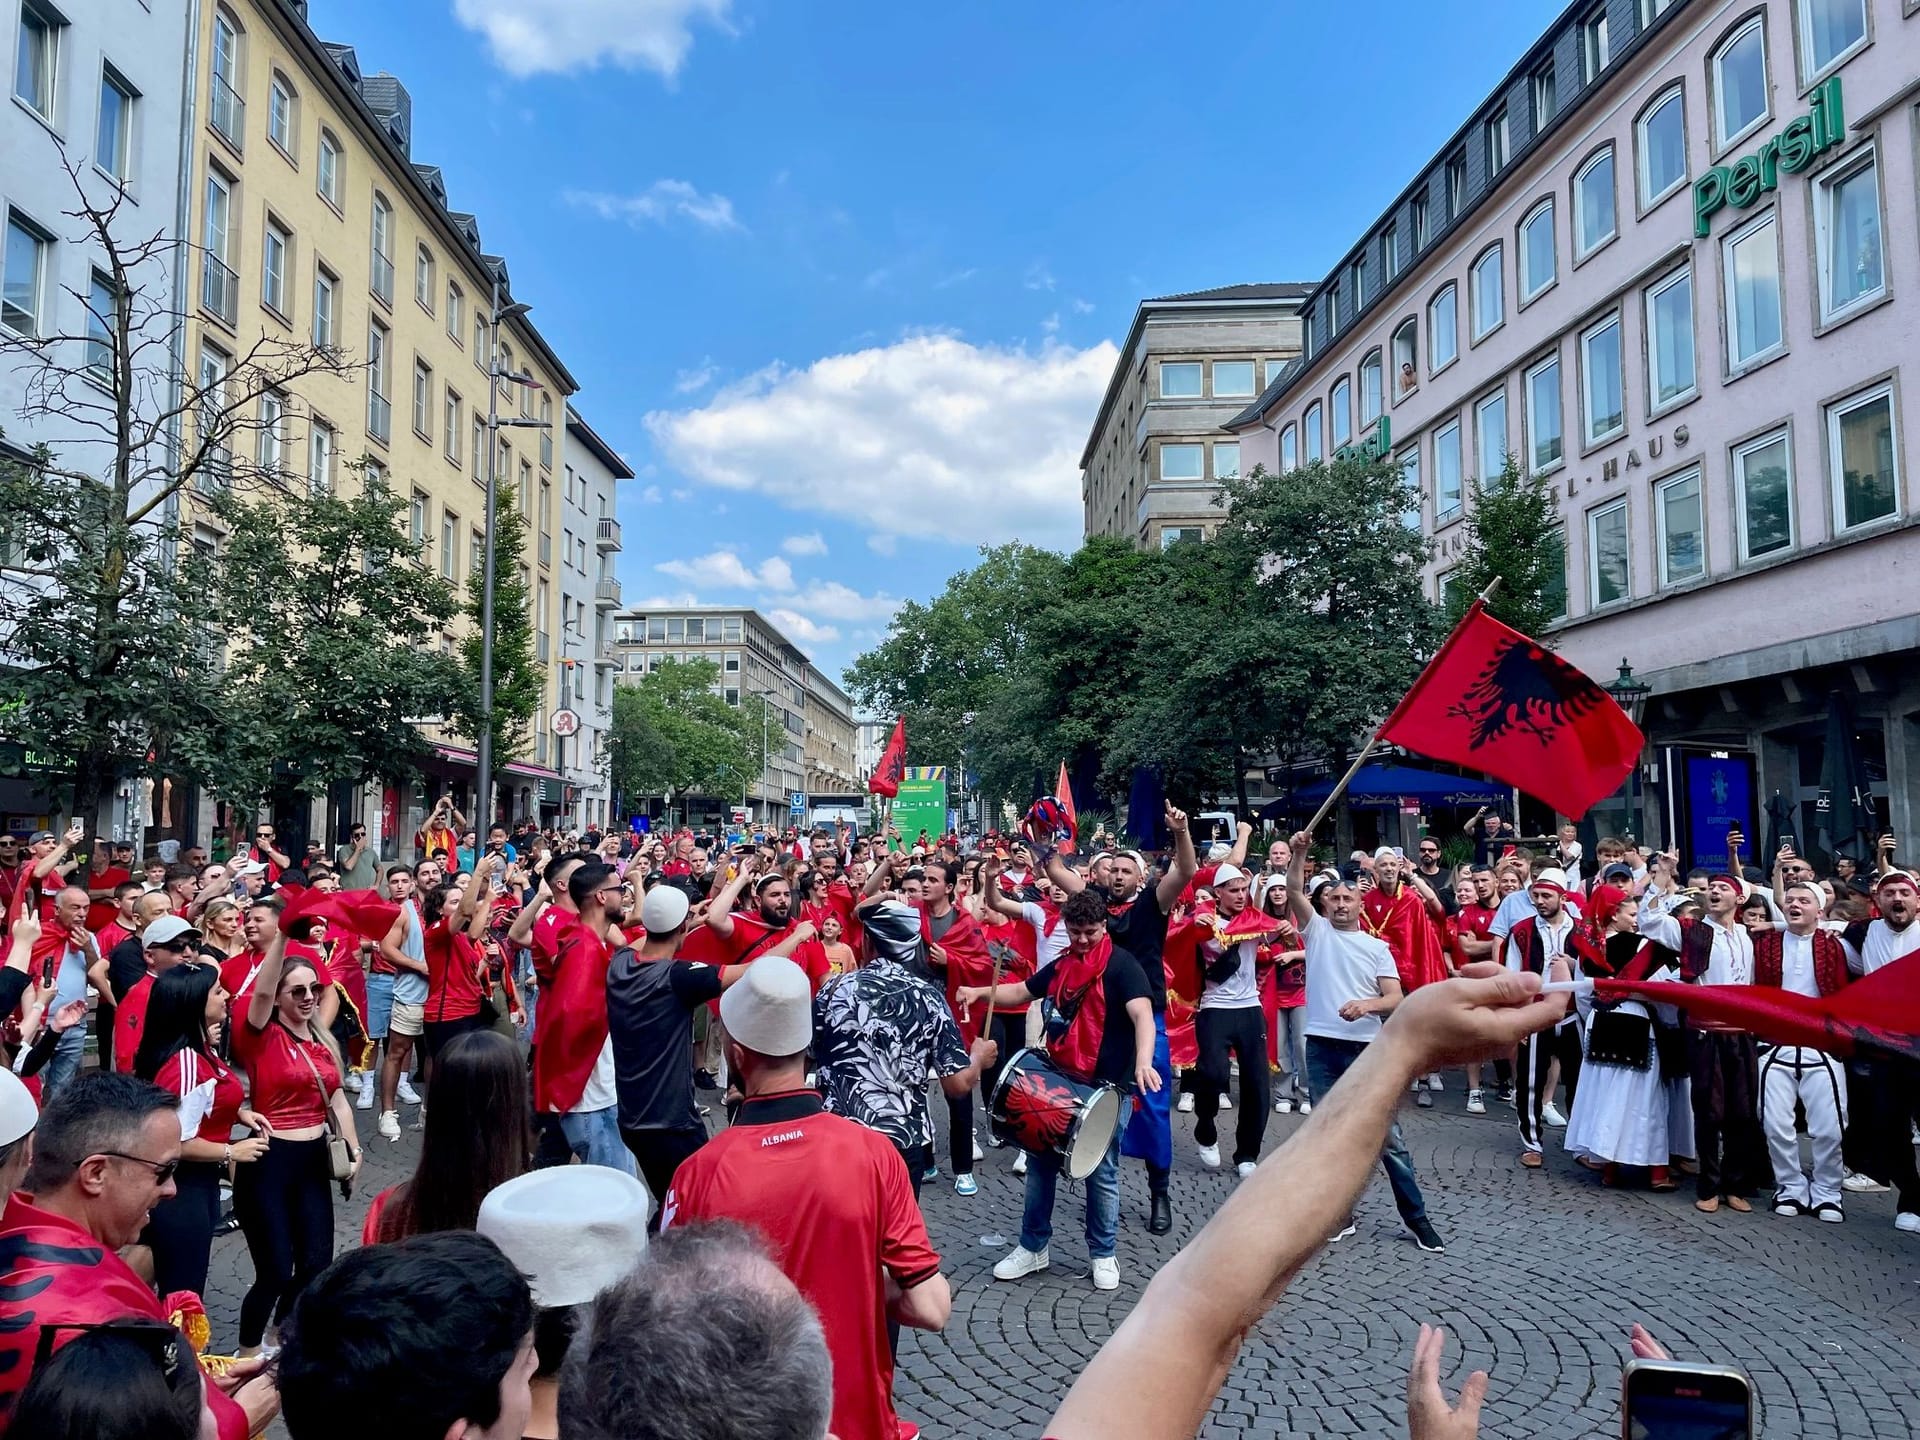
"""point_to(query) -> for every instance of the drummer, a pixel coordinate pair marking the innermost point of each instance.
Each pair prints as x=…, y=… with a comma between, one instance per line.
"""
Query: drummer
x=1099, y=1031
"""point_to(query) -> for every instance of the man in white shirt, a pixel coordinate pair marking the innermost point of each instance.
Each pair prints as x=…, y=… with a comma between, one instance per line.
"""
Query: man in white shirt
x=1884, y=1090
x=1352, y=982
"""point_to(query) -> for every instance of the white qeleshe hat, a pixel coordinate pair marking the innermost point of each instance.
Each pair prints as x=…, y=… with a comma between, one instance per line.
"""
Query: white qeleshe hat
x=664, y=910
x=18, y=1113
x=1226, y=875
x=572, y=1230
x=770, y=1008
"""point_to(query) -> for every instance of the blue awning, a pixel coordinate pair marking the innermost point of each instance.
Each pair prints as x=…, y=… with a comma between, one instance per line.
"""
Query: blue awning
x=1378, y=785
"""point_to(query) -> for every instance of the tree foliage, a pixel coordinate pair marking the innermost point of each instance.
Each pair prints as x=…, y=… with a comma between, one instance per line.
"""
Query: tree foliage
x=517, y=680
x=1513, y=535
x=672, y=735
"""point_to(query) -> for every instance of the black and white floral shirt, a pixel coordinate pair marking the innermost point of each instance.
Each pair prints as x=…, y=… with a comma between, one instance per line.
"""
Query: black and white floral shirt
x=878, y=1033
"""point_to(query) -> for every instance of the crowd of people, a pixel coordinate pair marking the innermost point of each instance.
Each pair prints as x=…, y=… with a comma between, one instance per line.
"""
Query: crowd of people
x=657, y=1072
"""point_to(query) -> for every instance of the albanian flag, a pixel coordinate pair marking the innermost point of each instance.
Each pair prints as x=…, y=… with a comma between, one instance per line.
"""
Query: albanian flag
x=1879, y=1012
x=887, y=775
x=1499, y=702
x=1063, y=792
x=362, y=912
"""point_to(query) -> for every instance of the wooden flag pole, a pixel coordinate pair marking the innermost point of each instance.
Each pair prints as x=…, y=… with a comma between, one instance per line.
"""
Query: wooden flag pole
x=1373, y=742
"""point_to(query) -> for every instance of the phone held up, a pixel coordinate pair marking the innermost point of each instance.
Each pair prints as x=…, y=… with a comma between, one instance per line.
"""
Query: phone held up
x=1671, y=1400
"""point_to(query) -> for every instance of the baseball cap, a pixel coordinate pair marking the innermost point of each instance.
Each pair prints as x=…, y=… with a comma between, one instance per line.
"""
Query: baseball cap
x=40, y=837
x=770, y=1008
x=664, y=910
x=572, y=1230
x=168, y=930
x=250, y=867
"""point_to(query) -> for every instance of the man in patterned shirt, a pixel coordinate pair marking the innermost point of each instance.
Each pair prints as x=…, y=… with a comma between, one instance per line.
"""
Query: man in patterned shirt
x=879, y=1031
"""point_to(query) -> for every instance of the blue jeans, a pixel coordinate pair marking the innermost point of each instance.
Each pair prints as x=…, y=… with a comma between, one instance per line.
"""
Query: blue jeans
x=379, y=1005
x=594, y=1136
x=64, y=1063
x=526, y=987
x=1103, y=1203
x=1327, y=1061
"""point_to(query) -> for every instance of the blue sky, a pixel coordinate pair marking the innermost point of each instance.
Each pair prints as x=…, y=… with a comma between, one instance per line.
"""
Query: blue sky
x=844, y=281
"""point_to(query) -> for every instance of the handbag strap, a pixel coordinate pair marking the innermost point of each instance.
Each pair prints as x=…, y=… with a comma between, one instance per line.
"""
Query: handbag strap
x=326, y=1108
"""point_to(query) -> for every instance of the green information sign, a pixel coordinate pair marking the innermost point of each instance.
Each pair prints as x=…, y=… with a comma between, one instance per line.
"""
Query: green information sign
x=920, y=805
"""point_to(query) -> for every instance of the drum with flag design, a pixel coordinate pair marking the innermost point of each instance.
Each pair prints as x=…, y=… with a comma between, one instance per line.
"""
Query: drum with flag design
x=1047, y=1112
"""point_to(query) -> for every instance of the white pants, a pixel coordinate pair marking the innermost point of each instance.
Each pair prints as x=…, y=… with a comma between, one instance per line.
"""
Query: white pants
x=1793, y=1072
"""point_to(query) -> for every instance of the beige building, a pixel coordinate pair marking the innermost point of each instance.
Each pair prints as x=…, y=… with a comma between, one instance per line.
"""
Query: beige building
x=1189, y=364
x=312, y=223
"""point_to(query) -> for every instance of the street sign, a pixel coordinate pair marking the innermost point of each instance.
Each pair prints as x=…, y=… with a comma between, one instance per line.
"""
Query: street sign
x=797, y=802
x=566, y=722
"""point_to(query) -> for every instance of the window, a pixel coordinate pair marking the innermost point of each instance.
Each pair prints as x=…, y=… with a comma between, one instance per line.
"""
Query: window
x=1273, y=369
x=1846, y=221
x=1456, y=186
x=1545, y=441
x=1536, y=250
x=1406, y=370
x=210, y=424
x=1829, y=31
x=1489, y=294
x=697, y=629
x=320, y=449
x=546, y=431
x=1310, y=424
x=102, y=323
x=1232, y=378
x=1554, y=590
x=1359, y=284
x=1443, y=330
x=423, y=399
x=1490, y=424
x=382, y=248
x=1763, y=495
x=275, y=247
x=449, y=543
x=1390, y=250
x=1497, y=142
x=1410, y=477
x=1180, y=381
x=456, y=310
x=1670, y=340
x=1173, y=535
x=379, y=381
x=676, y=630
x=270, y=444
x=731, y=626
x=1605, y=407
x=37, y=64
x=1182, y=462
x=476, y=554
x=1289, y=448
x=1861, y=459
x=1333, y=309
x=1226, y=460
x=1651, y=10
x=732, y=664
x=225, y=108
x=1607, y=554
x=326, y=176
x=113, y=135
x=23, y=282
x=280, y=115
x=219, y=286
x=417, y=513
x=1740, y=83
x=481, y=355
x=477, y=451
x=1422, y=226
x=1340, y=408
x=1661, y=136
x=1593, y=216
x=326, y=290
x=451, y=420
x=1370, y=389
x=1682, y=538
x=1448, y=485
x=1545, y=97
x=1750, y=265
x=423, y=286
x=1594, y=50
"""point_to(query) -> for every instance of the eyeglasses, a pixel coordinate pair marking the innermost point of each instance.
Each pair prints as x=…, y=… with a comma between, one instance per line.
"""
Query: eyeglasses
x=162, y=1169
x=163, y=1343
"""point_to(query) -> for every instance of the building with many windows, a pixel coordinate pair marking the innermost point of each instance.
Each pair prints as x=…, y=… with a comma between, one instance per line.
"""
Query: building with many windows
x=589, y=596
x=1189, y=364
x=1662, y=264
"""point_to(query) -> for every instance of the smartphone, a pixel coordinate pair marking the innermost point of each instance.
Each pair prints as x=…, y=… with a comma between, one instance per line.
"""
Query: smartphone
x=1669, y=1400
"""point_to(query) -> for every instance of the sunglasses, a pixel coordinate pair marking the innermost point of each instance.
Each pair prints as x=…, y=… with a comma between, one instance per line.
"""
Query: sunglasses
x=162, y=1169
x=304, y=992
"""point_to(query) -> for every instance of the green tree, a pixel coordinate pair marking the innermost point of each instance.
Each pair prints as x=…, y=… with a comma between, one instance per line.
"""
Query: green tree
x=517, y=682
x=1514, y=535
x=672, y=735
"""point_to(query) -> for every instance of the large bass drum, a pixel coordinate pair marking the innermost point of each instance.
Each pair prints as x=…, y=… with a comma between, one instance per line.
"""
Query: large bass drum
x=1047, y=1112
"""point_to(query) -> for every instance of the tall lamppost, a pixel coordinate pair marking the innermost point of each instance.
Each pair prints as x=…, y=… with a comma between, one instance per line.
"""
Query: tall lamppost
x=1630, y=694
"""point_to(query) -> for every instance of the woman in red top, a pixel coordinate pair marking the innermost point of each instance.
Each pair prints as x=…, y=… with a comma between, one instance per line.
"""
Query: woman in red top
x=452, y=921
x=179, y=1052
x=1282, y=968
x=284, y=1201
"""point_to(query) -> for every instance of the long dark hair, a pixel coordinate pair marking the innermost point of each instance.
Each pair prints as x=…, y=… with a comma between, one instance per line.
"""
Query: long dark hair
x=176, y=1017
x=479, y=1135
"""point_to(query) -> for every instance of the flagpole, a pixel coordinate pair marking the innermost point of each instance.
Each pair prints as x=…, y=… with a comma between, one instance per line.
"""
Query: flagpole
x=1373, y=742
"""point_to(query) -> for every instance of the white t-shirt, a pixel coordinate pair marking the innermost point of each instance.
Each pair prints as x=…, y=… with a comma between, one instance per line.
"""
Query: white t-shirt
x=1047, y=947
x=600, y=1092
x=1241, y=989
x=1344, y=965
x=1883, y=945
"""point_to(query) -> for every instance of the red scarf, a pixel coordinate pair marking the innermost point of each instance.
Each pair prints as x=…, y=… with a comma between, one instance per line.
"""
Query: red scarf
x=1080, y=994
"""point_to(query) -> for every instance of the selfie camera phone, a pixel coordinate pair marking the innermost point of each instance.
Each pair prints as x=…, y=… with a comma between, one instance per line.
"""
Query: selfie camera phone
x=1670, y=1400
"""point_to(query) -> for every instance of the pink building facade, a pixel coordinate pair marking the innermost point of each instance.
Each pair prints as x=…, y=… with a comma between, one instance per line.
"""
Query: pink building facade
x=1662, y=265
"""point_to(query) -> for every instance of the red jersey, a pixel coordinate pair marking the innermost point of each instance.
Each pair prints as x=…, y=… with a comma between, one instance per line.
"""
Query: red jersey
x=111, y=934
x=283, y=1088
x=833, y=1202
x=549, y=928
x=101, y=912
x=129, y=1021
x=237, y=976
x=454, y=964
x=186, y=1071
x=1474, y=922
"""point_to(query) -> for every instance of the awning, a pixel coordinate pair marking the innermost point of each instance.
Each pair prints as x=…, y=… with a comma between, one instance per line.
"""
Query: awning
x=462, y=755
x=1388, y=785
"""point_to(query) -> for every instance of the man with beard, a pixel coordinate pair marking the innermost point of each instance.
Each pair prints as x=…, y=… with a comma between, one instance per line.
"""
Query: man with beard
x=731, y=937
x=573, y=1063
x=1137, y=922
x=1884, y=1090
x=1532, y=946
x=1403, y=911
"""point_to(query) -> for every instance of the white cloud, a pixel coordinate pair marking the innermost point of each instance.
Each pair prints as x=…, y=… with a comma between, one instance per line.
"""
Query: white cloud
x=799, y=627
x=723, y=569
x=958, y=277
x=680, y=493
x=531, y=36
x=930, y=437
x=883, y=544
x=810, y=544
x=831, y=600
x=1051, y=325
x=1081, y=307
x=1039, y=277
x=661, y=202
x=650, y=495
x=687, y=382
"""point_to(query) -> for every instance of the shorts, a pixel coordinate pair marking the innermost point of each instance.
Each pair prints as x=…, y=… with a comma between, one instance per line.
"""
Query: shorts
x=379, y=1005
x=407, y=1019
x=436, y=1033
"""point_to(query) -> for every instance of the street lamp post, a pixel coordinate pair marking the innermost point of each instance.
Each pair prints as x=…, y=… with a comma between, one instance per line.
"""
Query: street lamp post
x=1630, y=694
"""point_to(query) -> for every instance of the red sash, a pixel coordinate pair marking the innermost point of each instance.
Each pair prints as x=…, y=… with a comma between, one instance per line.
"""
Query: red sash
x=1080, y=994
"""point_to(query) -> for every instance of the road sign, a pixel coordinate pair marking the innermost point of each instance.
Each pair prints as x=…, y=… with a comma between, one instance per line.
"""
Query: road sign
x=566, y=722
x=797, y=802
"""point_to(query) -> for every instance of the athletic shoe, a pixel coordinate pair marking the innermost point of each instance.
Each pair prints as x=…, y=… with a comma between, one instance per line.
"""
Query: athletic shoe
x=994, y=1142
x=352, y=1081
x=389, y=1125
x=1185, y=1105
x=964, y=1185
x=1424, y=1100
x=1426, y=1237
x=1020, y=1264
x=930, y=1174
x=1506, y=1095
x=1907, y=1222
x=1346, y=1232
x=1210, y=1156
x=1106, y=1273
x=1306, y=1107
x=978, y=1153
x=228, y=1223
x=1226, y=1101
x=1862, y=1184
x=1551, y=1114
x=1786, y=1205
x=1828, y=1211
x=1433, y=1084
x=407, y=1093
x=1476, y=1103
x=369, y=1092
x=1020, y=1163
x=908, y=1431
x=1246, y=1169
x=1283, y=1106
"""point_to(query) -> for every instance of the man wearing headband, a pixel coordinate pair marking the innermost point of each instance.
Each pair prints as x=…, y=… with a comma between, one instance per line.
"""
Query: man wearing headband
x=1882, y=1090
x=1533, y=945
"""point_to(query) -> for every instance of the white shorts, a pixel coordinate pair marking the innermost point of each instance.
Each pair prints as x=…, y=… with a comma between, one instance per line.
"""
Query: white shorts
x=407, y=1019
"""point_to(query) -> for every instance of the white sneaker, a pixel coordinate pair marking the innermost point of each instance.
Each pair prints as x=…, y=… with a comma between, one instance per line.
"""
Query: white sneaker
x=1907, y=1222
x=1185, y=1104
x=1246, y=1168
x=1106, y=1273
x=407, y=1093
x=1861, y=1184
x=389, y=1125
x=1433, y=1084
x=352, y=1081
x=1476, y=1104
x=1020, y=1163
x=978, y=1153
x=1020, y=1264
x=1210, y=1156
x=1306, y=1107
x=1551, y=1114
x=368, y=1093
x=1283, y=1106
x=1226, y=1102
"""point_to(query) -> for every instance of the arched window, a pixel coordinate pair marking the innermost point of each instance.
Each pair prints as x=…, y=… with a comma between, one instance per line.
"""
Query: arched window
x=1370, y=397
x=1661, y=142
x=1341, y=407
x=1739, y=70
x=329, y=173
x=1443, y=329
x=382, y=247
x=1489, y=293
x=1406, y=358
x=1537, y=261
x=1594, y=219
x=283, y=115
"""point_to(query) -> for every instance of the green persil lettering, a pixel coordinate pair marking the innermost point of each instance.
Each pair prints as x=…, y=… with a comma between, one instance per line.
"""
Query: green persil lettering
x=1792, y=150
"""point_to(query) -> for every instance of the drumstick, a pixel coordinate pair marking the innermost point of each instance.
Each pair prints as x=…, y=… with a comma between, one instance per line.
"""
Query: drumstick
x=999, y=952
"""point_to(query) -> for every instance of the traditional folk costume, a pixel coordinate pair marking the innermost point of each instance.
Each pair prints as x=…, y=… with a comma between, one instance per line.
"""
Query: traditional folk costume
x=1883, y=1090
x=1531, y=944
x=1790, y=1075
x=1283, y=995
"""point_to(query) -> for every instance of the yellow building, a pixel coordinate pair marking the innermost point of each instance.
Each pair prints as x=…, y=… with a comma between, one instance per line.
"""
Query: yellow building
x=312, y=223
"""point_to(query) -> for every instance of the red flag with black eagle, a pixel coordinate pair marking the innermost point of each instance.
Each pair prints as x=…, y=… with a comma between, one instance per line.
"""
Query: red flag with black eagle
x=1499, y=702
x=892, y=768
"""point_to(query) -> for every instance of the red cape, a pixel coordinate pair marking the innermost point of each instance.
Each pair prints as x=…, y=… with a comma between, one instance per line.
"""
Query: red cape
x=968, y=961
x=363, y=912
x=570, y=1027
x=1404, y=924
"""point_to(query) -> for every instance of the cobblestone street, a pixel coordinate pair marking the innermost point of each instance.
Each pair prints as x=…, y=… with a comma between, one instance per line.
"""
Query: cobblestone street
x=1543, y=1273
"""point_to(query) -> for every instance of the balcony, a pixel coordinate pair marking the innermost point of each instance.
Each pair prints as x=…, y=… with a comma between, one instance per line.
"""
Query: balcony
x=606, y=535
x=606, y=594
x=228, y=111
x=606, y=657
x=219, y=288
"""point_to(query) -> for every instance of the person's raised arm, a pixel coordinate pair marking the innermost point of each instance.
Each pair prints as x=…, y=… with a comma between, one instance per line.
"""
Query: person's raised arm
x=521, y=931
x=1432, y=901
x=476, y=902
x=50, y=861
x=1185, y=865
x=1243, y=837
x=1298, y=905
x=801, y=933
x=997, y=900
x=266, y=984
x=1158, y=1375
x=720, y=912
x=1061, y=873
x=1655, y=923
